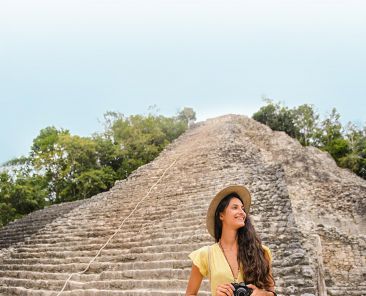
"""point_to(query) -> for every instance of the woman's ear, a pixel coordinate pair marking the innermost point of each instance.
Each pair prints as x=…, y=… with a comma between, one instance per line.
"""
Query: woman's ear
x=221, y=216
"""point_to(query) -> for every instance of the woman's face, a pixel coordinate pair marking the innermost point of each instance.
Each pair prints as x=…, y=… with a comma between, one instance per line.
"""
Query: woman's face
x=234, y=215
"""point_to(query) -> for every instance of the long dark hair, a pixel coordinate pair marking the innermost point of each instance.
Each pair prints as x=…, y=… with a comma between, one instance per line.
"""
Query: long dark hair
x=251, y=255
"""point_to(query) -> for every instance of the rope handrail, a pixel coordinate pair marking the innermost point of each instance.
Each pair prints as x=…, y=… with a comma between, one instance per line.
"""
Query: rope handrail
x=118, y=229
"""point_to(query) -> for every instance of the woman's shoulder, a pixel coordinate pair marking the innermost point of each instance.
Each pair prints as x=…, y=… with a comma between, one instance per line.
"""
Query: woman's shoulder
x=204, y=248
x=200, y=258
x=201, y=250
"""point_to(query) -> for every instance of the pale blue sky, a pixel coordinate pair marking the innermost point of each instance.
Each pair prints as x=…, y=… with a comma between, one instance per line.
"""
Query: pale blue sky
x=65, y=63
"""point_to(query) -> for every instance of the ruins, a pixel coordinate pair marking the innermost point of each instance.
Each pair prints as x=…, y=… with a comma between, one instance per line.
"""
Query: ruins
x=306, y=209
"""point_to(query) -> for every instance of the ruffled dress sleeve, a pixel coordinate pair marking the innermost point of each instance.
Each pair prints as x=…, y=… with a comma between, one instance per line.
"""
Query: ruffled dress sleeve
x=200, y=259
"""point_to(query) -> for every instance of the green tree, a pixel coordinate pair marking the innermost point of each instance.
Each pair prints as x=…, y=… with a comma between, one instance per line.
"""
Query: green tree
x=186, y=115
x=268, y=114
x=346, y=145
x=64, y=167
x=331, y=137
x=356, y=158
x=331, y=128
x=306, y=121
x=88, y=183
x=140, y=138
x=278, y=117
x=7, y=210
x=61, y=159
x=28, y=194
x=49, y=159
x=20, y=196
x=354, y=136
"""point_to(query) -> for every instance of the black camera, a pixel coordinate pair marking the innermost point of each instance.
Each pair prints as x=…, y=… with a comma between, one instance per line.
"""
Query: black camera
x=241, y=289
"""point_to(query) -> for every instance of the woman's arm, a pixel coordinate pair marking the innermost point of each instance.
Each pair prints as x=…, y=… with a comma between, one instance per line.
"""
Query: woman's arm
x=194, y=282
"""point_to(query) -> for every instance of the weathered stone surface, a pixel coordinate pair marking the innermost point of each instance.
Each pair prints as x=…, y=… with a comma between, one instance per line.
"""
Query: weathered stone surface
x=307, y=210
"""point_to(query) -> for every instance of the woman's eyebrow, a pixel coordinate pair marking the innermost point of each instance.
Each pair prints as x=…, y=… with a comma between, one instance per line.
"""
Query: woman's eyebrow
x=238, y=205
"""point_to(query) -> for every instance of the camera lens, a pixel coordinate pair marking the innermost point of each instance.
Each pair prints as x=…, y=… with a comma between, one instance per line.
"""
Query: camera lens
x=242, y=292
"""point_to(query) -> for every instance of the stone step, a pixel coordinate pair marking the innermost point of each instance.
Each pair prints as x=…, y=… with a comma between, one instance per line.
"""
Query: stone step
x=108, y=251
x=92, y=217
x=120, y=284
x=97, y=267
x=118, y=258
x=135, y=292
x=114, y=249
x=118, y=206
x=19, y=230
x=109, y=228
x=134, y=284
x=129, y=235
x=167, y=273
x=185, y=213
x=115, y=243
x=360, y=290
x=96, y=292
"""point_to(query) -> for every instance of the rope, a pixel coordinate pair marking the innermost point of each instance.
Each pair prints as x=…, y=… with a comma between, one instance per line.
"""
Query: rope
x=118, y=229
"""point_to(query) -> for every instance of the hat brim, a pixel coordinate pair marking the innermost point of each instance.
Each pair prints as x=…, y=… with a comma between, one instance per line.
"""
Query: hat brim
x=244, y=194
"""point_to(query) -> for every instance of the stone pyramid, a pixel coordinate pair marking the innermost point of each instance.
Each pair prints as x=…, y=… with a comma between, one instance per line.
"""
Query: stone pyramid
x=309, y=212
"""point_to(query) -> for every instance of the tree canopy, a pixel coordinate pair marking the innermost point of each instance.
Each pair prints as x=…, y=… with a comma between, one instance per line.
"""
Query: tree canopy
x=64, y=167
x=345, y=144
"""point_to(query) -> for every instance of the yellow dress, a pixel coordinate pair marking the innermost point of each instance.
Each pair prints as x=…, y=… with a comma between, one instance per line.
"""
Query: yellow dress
x=219, y=267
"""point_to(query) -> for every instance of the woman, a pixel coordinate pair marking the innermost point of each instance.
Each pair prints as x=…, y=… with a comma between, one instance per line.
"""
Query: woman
x=238, y=254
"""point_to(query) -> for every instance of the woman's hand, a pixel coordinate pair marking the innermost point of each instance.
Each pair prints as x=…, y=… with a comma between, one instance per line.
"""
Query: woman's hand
x=225, y=290
x=259, y=292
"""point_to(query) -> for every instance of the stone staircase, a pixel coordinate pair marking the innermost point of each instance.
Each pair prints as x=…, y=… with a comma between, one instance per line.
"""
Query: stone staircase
x=159, y=212
x=21, y=230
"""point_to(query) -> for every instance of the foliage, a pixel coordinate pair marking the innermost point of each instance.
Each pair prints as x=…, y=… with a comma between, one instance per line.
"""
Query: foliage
x=277, y=117
x=187, y=115
x=63, y=167
x=20, y=196
x=306, y=121
x=347, y=145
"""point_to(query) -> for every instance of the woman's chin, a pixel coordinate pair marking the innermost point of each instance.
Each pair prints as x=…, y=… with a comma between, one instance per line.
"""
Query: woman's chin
x=240, y=225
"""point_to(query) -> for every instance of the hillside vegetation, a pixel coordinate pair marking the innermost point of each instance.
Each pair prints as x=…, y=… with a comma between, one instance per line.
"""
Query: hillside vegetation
x=346, y=144
x=63, y=167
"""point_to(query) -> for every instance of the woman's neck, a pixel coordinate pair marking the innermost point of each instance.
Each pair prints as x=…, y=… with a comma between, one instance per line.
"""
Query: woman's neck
x=228, y=239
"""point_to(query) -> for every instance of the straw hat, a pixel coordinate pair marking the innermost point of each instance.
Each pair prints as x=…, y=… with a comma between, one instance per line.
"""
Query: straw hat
x=242, y=191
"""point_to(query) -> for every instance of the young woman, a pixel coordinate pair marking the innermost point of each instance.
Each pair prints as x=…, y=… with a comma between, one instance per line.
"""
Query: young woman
x=238, y=255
